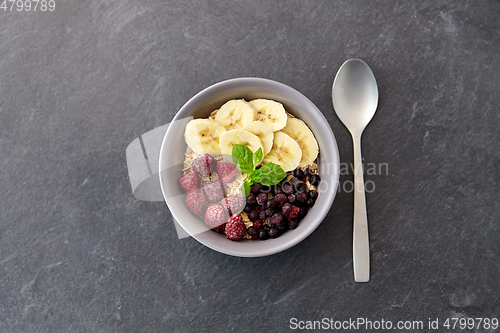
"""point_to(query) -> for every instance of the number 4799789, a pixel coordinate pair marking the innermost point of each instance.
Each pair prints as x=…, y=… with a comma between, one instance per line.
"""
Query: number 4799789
x=28, y=5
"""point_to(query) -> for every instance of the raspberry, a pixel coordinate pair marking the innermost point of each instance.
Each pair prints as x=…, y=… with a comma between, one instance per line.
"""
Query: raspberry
x=190, y=182
x=233, y=204
x=287, y=208
x=293, y=213
x=195, y=201
x=214, y=190
x=235, y=228
x=204, y=165
x=226, y=171
x=215, y=217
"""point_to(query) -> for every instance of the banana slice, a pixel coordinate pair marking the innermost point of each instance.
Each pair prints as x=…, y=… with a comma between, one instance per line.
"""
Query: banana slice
x=286, y=152
x=270, y=112
x=230, y=138
x=299, y=131
x=235, y=114
x=203, y=135
x=264, y=132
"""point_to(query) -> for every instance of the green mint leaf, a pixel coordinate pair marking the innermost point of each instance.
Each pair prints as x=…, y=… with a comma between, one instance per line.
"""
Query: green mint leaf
x=255, y=176
x=257, y=157
x=246, y=188
x=244, y=156
x=272, y=174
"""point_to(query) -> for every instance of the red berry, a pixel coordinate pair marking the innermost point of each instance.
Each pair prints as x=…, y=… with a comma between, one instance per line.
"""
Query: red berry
x=227, y=171
x=195, y=202
x=293, y=213
x=257, y=224
x=233, y=204
x=235, y=228
x=214, y=190
x=215, y=217
x=190, y=182
x=204, y=165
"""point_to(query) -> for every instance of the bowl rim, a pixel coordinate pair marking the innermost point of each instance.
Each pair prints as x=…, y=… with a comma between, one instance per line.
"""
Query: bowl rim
x=242, y=82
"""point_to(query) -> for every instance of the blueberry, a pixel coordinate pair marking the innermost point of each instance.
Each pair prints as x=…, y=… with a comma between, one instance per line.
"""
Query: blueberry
x=255, y=188
x=287, y=208
x=262, y=215
x=294, y=181
x=254, y=215
x=251, y=231
x=302, y=188
x=288, y=173
x=292, y=224
x=313, y=194
x=266, y=227
x=263, y=234
x=273, y=232
x=310, y=202
x=271, y=203
x=298, y=173
x=308, y=172
x=276, y=219
x=261, y=198
x=287, y=188
x=281, y=199
x=301, y=198
x=270, y=211
x=281, y=224
x=291, y=198
x=314, y=180
x=251, y=200
x=248, y=209
x=265, y=189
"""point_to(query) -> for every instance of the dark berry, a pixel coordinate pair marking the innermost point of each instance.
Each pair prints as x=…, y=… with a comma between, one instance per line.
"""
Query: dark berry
x=271, y=203
x=280, y=199
x=273, y=232
x=301, y=198
x=195, y=202
x=270, y=211
x=248, y=209
x=289, y=173
x=292, y=198
x=302, y=188
x=298, y=173
x=265, y=189
x=302, y=212
x=227, y=171
x=233, y=204
x=235, y=228
x=287, y=188
x=278, y=189
x=190, y=182
x=251, y=201
x=204, y=165
x=263, y=234
x=252, y=231
x=308, y=172
x=275, y=219
x=262, y=215
x=265, y=227
x=262, y=198
x=294, y=181
x=310, y=202
x=278, y=221
x=314, y=180
x=215, y=217
x=253, y=215
x=313, y=194
x=255, y=188
x=286, y=209
x=257, y=224
x=292, y=224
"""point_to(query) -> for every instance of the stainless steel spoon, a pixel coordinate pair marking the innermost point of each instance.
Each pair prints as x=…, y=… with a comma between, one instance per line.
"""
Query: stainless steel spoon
x=355, y=99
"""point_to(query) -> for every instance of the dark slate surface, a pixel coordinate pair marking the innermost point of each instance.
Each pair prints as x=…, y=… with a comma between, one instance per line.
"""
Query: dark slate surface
x=79, y=254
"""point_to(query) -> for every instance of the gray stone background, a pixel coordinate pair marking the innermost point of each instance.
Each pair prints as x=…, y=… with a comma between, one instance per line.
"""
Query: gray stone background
x=79, y=254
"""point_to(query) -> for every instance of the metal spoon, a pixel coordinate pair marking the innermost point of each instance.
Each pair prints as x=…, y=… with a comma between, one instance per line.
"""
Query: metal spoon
x=355, y=98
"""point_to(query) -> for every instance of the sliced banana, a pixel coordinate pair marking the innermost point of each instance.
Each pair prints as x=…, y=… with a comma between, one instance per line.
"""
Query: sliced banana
x=230, y=138
x=285, y=152
x=235, y=114
x=203, y=135
x=264, y=132
x=300, y=132
x=270, y=112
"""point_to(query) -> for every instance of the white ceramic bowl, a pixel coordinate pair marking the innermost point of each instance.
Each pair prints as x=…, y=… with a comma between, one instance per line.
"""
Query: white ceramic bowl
x=200, y=106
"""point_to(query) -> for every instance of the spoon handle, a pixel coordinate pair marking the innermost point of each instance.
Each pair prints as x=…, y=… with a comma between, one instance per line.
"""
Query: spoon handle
x=360, y=243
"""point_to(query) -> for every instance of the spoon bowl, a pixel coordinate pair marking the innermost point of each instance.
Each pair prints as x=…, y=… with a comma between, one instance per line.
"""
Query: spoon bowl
x=355, y=99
